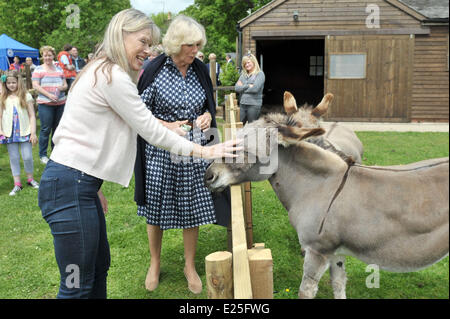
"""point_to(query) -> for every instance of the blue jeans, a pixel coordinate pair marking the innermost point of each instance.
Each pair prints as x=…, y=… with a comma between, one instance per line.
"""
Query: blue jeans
x=70, y=205
x=49, y=116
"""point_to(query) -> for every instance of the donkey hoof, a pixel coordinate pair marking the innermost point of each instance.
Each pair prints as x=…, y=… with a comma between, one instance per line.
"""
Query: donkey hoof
x=303, y=252
x=304, y=295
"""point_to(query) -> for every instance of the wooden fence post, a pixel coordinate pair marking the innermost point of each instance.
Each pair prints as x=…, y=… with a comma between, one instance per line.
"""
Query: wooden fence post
x=213, y=75
x=261, y=272
x=247, y=196
x=219, y=275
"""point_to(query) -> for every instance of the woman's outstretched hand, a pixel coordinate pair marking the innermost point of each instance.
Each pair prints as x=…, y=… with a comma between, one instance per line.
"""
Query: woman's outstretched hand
x=226, y=149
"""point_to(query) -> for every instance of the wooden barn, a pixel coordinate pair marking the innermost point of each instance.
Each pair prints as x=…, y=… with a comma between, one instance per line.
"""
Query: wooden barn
x=384, y=60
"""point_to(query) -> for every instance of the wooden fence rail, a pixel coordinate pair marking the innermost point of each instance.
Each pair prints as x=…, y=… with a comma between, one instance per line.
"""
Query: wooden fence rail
x=252, y=267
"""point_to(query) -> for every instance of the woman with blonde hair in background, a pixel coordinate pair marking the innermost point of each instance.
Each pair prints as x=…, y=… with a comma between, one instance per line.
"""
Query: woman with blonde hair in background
x=250, y=87
x=96, y=141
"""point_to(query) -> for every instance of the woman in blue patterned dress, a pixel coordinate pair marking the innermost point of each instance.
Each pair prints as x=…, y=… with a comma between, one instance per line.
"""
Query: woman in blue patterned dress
x=178, y=91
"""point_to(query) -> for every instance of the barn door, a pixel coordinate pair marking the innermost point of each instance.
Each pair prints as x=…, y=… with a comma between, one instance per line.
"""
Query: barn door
x=370, y=77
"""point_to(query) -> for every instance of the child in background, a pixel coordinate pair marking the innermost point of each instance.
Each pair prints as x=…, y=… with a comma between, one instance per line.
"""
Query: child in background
x=16, y=65
x=17, y=127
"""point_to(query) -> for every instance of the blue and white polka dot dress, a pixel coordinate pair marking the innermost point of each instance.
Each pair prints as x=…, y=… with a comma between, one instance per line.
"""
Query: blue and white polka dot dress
x=176, y=196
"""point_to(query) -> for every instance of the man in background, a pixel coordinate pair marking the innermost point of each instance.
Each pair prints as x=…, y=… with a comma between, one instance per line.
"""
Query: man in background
x=78, y=62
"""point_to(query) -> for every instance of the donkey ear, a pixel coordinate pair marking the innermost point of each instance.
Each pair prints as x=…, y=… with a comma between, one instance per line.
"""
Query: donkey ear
x=288, y=135
x=290, y=105
x=322, y=107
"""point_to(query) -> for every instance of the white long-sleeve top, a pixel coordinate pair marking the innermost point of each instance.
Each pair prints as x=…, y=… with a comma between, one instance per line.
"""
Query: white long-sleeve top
x=97, y=132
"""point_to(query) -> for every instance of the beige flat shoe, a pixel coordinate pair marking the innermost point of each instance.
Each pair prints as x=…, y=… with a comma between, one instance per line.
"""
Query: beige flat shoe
x=195, y=285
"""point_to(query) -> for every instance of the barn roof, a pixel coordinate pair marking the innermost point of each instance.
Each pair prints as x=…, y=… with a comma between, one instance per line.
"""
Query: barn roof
x=261, y=11
x=423, y=10
x=432, y=9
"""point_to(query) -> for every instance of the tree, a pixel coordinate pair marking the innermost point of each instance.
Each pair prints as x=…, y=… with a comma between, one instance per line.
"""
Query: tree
x=219, y=17
x=57, y=22
x=229, y=75
x=162, y=21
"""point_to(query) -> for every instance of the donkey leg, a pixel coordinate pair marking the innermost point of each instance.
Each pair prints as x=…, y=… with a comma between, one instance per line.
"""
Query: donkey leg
x=314, y=267
x=338, y=276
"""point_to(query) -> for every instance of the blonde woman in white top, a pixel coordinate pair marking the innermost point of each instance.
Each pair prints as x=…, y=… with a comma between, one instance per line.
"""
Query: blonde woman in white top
x=96, y=141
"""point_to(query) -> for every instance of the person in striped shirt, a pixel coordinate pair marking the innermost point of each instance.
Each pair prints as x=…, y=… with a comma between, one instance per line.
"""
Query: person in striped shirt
x=50, y=82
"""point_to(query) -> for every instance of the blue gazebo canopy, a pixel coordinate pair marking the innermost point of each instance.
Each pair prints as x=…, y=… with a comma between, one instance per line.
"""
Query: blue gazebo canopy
x=9, y=48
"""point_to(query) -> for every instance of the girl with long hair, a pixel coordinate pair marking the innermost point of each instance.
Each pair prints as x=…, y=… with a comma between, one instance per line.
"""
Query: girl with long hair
x=17, y=127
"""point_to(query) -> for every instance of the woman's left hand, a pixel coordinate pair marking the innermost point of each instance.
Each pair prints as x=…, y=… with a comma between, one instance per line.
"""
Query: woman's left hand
x=204, y=121
x=103, y=201
x=33, y=139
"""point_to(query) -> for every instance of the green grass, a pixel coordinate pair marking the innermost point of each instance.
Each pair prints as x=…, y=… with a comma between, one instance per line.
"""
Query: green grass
x=28, y=268
x=381, y=148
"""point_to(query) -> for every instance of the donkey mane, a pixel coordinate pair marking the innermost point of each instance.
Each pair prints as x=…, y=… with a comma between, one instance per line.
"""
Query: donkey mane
x=303, y=119
x=323, y=143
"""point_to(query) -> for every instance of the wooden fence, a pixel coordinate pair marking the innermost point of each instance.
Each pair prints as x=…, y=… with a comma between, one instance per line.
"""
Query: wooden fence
x=247, y=271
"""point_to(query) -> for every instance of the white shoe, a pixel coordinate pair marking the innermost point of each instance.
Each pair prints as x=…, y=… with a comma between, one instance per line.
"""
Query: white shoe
x=44, y=160
x=15, y=190
x=33, y=184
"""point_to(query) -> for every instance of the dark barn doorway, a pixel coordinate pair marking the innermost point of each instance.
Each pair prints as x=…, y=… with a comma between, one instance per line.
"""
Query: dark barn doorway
x=292, y=65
